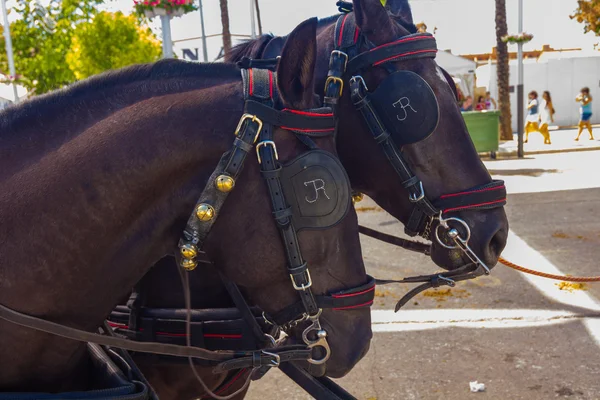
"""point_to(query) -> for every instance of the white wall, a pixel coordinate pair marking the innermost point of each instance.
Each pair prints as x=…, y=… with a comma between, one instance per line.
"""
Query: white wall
x=563, y=78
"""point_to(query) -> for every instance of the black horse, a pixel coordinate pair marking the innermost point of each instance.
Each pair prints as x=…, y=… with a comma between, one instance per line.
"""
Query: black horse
x=97, y=183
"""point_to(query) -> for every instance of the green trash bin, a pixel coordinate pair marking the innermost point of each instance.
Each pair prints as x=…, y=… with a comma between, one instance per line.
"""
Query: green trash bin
x=483, y=127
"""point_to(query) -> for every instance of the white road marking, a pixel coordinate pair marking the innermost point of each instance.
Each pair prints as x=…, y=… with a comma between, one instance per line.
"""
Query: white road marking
x=519, y=252
x=415, y=320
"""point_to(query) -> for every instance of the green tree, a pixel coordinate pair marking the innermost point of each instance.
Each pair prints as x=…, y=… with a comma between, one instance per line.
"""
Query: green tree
x=588, y=14
x=45, y=52
x=110, y=41
x=39, y=50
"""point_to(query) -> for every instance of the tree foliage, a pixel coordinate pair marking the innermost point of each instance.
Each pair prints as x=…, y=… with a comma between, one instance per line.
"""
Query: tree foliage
x=588, y=14
x=110, y=41
x=40, y=51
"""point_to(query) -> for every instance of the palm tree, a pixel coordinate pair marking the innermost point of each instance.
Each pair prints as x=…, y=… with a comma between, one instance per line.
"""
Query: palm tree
x=503, y=71
x=225, y=23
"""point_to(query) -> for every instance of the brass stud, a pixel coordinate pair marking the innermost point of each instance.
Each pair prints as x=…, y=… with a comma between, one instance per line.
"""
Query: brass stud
x=224, y=183
x=205, y=212
x=189, y=251
x=357, y=197
x=188, y=265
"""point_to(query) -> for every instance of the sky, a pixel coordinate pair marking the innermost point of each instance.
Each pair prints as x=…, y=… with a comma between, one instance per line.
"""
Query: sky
x=464, y=26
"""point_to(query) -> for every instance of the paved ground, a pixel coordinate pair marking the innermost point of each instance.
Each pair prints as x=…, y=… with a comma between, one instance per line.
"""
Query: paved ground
x=562, y=140
x=523, y=337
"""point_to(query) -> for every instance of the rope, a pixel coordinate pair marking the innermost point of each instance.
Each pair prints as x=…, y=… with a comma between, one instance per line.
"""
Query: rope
x=550, y=276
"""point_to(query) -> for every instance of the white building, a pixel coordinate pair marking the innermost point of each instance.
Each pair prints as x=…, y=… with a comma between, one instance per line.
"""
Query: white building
x=563, y=74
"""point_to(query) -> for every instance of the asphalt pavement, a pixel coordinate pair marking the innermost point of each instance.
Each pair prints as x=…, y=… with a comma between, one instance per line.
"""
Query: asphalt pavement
x=523, y=337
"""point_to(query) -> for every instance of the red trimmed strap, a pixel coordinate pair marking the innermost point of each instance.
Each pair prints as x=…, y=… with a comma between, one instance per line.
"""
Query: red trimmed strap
x=491, y=195
x=173, y=334
x=410, y=47
x=358, y=297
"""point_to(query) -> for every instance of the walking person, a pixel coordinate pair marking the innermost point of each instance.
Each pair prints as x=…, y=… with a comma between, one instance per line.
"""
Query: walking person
x=546, y=116
x=585, y=99
x=533, y=115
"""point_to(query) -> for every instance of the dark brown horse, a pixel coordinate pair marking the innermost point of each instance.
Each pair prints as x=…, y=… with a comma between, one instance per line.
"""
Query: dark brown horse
x=98, y=181
x=446, y=162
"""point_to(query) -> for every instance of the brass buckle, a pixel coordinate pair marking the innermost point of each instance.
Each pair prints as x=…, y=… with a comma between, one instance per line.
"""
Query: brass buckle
x=266, y=143
x=302, y=287
x=333, y=79
x=252, y=118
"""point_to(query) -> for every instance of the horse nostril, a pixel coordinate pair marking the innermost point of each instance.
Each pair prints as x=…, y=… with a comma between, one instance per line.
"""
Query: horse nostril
x=496, y=245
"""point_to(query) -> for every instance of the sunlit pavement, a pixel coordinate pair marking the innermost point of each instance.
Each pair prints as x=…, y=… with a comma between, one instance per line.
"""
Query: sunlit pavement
x=523, y=337
x=562, y=141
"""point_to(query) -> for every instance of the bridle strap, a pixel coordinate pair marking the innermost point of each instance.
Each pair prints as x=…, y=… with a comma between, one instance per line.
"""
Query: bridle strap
x=244, y=358
x=358, y=297
x=411, y=47
x=321, y=388
x=448, y=278
x=422, y=206
x=317, y=123
x=282, y=212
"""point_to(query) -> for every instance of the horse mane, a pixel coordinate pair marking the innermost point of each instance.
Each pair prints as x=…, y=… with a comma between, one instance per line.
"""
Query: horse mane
x=161, y=77
x=248, y=48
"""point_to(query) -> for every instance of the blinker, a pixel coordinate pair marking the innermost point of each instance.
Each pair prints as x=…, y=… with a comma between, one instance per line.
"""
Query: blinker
x=407, y=107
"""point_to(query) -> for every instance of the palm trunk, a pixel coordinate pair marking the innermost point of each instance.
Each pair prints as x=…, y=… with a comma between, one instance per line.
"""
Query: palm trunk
x=503, y=72
x=225, y=23
x=258, y=17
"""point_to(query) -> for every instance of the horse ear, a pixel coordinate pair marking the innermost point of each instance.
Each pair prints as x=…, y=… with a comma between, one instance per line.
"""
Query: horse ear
x=373, y=20
x=274, y=48
x=400, y=8
x=296, y=69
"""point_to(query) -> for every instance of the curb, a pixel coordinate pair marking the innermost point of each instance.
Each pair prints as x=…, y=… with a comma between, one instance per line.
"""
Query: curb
x=511, y=154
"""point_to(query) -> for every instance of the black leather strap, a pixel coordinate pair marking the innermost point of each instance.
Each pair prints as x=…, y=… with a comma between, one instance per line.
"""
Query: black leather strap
x=419, y=45
x=361, y=296
x=321, y=388
x=317, y=122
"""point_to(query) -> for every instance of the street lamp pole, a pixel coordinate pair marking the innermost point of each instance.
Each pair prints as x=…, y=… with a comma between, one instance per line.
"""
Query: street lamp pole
x=167, y=44
x=9, y=50
x=252, y=20
x=204, y=49
x=520, y=91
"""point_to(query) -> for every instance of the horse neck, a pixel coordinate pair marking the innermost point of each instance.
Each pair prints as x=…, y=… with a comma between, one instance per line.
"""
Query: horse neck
x=127, y=179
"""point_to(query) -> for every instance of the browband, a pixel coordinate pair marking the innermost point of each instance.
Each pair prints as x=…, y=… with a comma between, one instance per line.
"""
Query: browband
x=421, y=45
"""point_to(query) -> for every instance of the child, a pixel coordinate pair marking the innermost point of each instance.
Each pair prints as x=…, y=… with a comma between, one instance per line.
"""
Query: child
x=546, y=116
x=586, y=112
x=532, y=115
x=480, y=106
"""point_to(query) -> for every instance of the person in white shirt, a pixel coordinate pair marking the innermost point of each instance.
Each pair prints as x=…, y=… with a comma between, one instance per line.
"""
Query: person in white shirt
x=546, y=116
x=533, y=115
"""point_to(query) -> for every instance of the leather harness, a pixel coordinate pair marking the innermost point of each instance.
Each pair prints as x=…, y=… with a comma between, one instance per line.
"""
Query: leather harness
x=233, y=332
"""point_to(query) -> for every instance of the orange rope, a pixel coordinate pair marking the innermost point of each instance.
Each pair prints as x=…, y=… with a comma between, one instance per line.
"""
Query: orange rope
x=550, y=276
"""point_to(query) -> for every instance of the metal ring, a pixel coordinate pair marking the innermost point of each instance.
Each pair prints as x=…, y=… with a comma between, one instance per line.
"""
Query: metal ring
x=444, y=224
